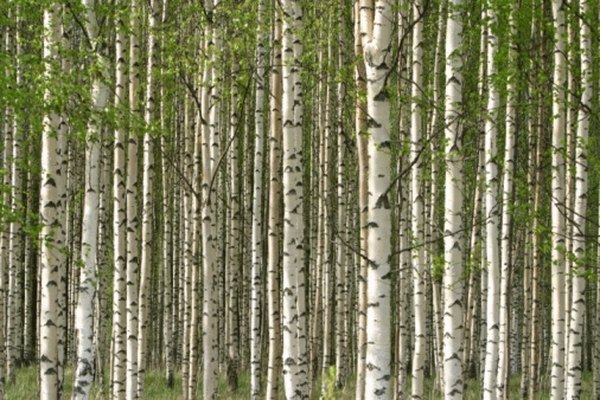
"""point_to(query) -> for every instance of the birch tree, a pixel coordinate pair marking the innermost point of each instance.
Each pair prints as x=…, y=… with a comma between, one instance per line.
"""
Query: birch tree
x=342, y=259
x=5, y=235
x=15, y=245
x=491, y=215
x=85, y=323
x=360, y=125
x=295, y=361
x=52, y=217
x=557, y=207
x=507, y=207
x=453, y=202
x=376, y=32
x=257, y=220
x=119, y=349
x=418, y=234
x=132, y=206
x=147, y=200
x=578, y=297
x=168, y=245
x=210, y=155
x=274, y=223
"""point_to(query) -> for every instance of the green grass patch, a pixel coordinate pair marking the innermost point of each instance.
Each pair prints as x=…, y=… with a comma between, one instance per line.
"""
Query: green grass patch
x=26, y=387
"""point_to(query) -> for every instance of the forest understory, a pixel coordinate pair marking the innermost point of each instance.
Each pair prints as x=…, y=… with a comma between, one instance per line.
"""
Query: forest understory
x=156, y=388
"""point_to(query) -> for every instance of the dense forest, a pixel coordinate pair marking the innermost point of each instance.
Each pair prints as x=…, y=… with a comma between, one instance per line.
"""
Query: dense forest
x=267, y=199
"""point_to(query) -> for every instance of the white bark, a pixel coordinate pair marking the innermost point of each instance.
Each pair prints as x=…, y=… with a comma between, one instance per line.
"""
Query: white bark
x=147, y=204
x=491, y=217
x=257, y=282
x=404, y=304
x=360, y=125
x=274, y=228
x=168, y=217
x=210, y=155
x=132, y=209
x=295, y=361
x=188, y=290
x=4, y=235
x=376, y=22
x=453, y=329
x=417, y=191
x=233, y=263
x=15, y=245
x=341, y=281
x=102, y=308
x=505, y=240
x=557, y=208
x=325, y=221
x=433, y=212
x=578, y=297
x=53, y=221
x=119, y=352
x=84, y=313
x=569, y=204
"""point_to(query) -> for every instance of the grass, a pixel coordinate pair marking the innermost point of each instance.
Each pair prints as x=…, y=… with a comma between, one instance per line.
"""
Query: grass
x=26, y=387
x=155, y=388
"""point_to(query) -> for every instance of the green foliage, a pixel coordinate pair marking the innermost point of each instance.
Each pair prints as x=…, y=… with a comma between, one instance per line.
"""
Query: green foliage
x=329, y=384
x=473, y=262
x=438, y=268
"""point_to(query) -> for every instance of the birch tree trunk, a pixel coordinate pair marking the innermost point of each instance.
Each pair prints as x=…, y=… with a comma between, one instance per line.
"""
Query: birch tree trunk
x=84, y=314
x=360, y=124
x=295, y=361
x=147, y=201
x=507, y=207
x=571, y=122
x=65, y=306
x=535, y=274
x=325, y=262
x=15, y=246
x=578, y=297
x=318, y=267
x=52, y=217
x=103, y=271
x=491, y=216
x=193, y=232
x=557, y=207
x=341, y=283
x=4, y=288
x=417, y=209
x=4, y=239
x=233, y=268
x=405, y=305
x=4, y=235
x=528, y=272
x=210, y=155
x=376, y=32
x=132, y=208
x=274, y=228
x=256, y=298
x=169, y=216
x=119, y=350
x=433, y=212
x=452, y=291
x=190, y=288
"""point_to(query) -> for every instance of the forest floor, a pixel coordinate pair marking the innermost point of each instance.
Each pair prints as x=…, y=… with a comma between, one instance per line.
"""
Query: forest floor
x=26, y=388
